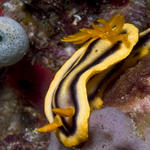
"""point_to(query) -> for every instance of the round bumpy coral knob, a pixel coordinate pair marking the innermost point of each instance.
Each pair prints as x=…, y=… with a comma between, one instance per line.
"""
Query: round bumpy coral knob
x=13, y=41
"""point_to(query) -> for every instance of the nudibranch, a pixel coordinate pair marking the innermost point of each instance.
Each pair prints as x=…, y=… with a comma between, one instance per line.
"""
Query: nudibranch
x=13, y=41
x=98, y=83
x=67, y=107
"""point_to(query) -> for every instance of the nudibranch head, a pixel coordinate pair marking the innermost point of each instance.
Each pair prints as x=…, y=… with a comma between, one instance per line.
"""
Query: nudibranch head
x=13, y=41
x=110, y=30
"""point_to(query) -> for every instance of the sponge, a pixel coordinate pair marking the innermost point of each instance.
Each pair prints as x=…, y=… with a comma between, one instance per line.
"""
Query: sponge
x=13, y=42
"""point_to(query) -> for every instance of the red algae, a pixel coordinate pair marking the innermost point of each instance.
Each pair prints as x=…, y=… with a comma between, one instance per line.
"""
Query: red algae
x=2, y=1
x=119, y=2
x=30, y=82
x=1, y=12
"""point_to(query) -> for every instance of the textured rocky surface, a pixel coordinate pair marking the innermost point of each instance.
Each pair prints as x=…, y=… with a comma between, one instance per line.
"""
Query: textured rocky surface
x=23, y=86
x=18, y=123
x=131, y=91
x=131, y=94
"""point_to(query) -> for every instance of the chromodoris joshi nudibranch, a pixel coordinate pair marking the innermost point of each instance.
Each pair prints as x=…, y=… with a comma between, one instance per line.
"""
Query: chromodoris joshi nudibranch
x=67, y=106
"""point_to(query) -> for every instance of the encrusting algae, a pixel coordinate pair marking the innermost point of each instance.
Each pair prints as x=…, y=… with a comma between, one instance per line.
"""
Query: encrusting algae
x=67, y=103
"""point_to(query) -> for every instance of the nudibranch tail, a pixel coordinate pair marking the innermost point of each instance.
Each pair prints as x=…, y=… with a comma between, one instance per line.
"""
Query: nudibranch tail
x=68, y=112
x=106, y=46
x=50, y=127
x=110, y=30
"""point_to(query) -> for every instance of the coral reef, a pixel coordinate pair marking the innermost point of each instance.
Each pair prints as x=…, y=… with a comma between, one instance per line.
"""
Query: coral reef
x=45, y=23
x=30, y=82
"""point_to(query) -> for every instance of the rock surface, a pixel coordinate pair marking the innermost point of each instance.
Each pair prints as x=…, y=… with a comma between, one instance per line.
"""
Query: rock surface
x=46, y=22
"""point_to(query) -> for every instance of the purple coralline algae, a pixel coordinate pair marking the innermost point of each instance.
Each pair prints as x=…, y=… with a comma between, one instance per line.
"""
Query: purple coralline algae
x=13, y=42
x=109, y=129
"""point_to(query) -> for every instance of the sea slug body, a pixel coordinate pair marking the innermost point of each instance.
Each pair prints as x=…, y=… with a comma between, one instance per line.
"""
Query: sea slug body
x=66, y=104
x=13, y=41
